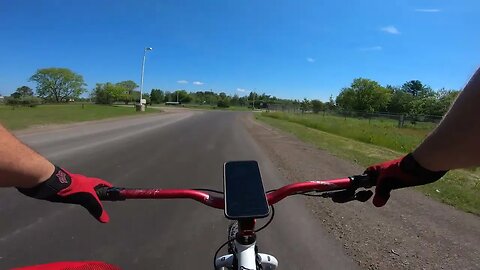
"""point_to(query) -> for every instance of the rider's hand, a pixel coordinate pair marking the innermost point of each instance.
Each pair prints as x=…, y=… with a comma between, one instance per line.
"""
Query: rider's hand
x=66, y=187
x=399, y=173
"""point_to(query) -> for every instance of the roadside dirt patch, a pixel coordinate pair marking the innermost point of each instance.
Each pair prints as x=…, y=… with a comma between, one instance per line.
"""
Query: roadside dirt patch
x=411, y=232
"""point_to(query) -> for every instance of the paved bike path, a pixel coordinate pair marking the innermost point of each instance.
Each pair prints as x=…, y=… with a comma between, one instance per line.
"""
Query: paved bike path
x=179, y=150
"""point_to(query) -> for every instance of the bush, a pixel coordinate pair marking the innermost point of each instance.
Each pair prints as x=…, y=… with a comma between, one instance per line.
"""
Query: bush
x=223, y=104
x=27, y=101
x=317, y=106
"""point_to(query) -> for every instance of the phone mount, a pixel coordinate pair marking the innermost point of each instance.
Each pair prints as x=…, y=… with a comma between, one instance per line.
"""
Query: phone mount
x=244, y=195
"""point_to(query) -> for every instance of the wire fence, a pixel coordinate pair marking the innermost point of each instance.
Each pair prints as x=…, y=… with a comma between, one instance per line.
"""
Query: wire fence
x=403, y=119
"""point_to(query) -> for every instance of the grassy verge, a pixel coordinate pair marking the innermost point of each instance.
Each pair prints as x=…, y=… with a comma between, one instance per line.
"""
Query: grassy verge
x=459, y=188
x=383, y=132
x=23, y=117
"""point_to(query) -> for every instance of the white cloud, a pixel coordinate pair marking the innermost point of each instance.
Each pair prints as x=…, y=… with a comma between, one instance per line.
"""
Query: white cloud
x=311, y=60
x=182, y=81
x=241, y=90
x=390, y=29
x=197, y=83
x=428, y=10
x=373, y=48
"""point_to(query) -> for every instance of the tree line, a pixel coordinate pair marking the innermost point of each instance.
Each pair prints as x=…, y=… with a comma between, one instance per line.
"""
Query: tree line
x=413, y=98
x=363, y=95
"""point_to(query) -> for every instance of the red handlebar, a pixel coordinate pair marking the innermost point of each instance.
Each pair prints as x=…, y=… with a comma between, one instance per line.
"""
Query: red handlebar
x=115, y=194
x=329, y=185
x=200, y=196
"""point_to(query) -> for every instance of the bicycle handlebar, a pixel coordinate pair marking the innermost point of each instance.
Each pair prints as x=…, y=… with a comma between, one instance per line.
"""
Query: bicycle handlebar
x=120, y=194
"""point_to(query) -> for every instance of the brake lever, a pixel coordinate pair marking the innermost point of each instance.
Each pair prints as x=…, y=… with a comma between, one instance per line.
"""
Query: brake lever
x=348, y=195
x=109, y=193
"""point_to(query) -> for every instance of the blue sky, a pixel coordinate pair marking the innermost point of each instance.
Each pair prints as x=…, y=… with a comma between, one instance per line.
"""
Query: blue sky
x=290, y=49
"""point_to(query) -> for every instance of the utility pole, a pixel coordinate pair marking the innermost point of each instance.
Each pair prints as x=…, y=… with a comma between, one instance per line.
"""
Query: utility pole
x=142, y=108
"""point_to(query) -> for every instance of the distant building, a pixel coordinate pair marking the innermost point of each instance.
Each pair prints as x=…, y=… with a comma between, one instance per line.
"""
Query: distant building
x=2, y=99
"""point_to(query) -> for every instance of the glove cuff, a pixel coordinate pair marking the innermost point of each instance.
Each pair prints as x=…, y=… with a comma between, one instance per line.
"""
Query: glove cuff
x=58, y=181
x=410, y=165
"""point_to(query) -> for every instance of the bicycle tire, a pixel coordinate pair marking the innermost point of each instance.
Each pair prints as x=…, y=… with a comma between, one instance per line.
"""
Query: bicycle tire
x=232, y=233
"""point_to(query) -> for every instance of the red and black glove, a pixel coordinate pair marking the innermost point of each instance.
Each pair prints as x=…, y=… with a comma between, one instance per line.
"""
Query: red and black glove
x=399, y=173
x=66, y=187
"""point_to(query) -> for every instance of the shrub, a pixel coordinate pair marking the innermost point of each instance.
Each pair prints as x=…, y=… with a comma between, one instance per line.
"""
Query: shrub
x=27, y=101
x=223, y=103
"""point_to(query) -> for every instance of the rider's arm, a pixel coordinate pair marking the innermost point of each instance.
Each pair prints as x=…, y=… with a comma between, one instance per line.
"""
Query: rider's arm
x=20, y=166
x=455, y=143
x=36, y=177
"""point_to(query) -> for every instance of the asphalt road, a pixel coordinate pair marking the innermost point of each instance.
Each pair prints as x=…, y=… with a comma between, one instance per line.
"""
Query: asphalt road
x=179, y=150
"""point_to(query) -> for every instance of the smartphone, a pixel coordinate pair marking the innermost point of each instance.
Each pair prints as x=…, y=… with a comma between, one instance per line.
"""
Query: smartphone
x=244, y=194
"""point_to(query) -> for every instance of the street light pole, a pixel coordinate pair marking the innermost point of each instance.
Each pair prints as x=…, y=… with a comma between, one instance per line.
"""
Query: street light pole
x=143, y=70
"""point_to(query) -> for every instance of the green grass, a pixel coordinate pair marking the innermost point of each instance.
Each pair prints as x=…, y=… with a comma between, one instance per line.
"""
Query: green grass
x=23, y=117
x=383, y=132
x=459, y=188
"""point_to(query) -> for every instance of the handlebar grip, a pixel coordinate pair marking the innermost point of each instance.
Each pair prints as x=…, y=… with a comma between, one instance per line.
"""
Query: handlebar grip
x=109, y=194
x=364, y=181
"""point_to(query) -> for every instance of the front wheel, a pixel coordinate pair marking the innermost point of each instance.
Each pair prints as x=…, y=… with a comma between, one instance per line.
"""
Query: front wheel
x=232, y=233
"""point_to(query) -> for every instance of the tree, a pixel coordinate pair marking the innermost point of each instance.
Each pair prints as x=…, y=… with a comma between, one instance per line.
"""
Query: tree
x=58, y=84
x=223, y=100
x=446, y=99
x=183, y=96
x=235, y=100
x=222, y=95
x=135, y=96
x=252, y=96
x=166, y=98
x=128, y=85
x=436, y=104
x=401, y=100
x=129, y=91
x=305, y=105
x=157, y=96
x=254, y=100
x=107, y=93
x=417, y=89
x=330, y=105
x=346, y=99
x=242, y=101
x=16, y=95
x=364, y=95
x=317, y=106
x=424, y=106
x=223, y=103
x=24, y=91
x=204, y=97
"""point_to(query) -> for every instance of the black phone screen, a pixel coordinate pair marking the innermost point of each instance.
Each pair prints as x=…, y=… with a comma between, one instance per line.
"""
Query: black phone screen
x=243, y=190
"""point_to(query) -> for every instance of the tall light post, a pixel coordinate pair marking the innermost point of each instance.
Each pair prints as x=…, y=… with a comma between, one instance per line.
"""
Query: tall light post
x=143, y=70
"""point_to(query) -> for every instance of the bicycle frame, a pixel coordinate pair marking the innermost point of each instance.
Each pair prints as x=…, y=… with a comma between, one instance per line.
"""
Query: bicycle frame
x=245, y=256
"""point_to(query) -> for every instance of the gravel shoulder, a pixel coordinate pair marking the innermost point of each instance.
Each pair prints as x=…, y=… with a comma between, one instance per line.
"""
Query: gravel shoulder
x=411, y=232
